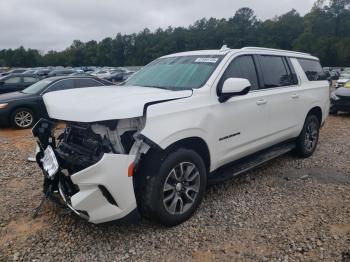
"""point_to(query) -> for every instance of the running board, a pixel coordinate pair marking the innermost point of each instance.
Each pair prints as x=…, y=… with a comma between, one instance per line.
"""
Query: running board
x=247, y=163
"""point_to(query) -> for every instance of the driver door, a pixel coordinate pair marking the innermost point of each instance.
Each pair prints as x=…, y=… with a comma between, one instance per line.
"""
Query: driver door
x=242, y=121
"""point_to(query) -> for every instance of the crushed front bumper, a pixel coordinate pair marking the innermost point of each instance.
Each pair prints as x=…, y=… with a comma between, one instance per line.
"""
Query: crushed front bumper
x=105, y=192
x=102, y=192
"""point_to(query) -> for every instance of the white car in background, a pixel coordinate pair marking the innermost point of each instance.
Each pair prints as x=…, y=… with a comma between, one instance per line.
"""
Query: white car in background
x=343, y=79
x=152, y=145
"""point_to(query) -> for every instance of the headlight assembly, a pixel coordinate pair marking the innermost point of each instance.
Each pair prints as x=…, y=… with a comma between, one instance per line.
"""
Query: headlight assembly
x=3, y=105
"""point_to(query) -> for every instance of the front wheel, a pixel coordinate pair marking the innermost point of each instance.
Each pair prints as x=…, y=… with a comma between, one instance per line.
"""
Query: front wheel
x=307, y=141
x=172, y=195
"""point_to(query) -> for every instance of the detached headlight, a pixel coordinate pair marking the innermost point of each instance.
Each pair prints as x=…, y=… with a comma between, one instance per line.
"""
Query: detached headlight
x=3, y=105
x=334, y=96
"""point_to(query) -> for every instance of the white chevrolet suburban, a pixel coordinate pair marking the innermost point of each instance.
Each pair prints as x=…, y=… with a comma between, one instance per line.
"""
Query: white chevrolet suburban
x=150, y=146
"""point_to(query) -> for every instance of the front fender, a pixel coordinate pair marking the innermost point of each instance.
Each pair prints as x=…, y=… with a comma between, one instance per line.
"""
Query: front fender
x=167, y=140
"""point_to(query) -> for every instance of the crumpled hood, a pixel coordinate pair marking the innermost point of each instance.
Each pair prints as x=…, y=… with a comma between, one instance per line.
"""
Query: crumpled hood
x=105, y=103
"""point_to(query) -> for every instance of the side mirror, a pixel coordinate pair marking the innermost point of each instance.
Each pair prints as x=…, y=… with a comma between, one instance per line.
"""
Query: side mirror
x=234, y=87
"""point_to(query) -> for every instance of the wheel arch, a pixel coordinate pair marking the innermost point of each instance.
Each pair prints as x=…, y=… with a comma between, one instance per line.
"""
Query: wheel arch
x=317, y=111
x=196, y=144
x=151, y=160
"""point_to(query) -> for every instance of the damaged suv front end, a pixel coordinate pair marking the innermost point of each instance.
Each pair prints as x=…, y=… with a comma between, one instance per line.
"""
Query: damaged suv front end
x=90, y=166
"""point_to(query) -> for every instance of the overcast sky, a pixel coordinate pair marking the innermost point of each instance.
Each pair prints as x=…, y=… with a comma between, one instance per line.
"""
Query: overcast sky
x=54, y=24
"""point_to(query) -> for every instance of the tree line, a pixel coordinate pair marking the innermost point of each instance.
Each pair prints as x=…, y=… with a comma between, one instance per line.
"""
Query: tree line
x=323, y=32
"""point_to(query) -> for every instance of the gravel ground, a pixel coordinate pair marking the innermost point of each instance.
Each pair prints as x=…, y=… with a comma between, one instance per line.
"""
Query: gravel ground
x=287, y=210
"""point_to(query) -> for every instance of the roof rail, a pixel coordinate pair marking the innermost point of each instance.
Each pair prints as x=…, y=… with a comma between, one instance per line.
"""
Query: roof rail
x=271, y=49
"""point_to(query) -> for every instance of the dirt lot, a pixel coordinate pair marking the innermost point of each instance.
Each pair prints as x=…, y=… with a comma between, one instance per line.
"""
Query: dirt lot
x=287, y=210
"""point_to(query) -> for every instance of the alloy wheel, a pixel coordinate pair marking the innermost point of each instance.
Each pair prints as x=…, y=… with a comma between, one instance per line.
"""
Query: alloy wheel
x=181, y=188
x=23, y=119
x=311, y=136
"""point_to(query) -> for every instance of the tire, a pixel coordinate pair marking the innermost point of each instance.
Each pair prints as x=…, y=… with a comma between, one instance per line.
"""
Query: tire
x=307, y=141
x=22, y=118
x=166, y=198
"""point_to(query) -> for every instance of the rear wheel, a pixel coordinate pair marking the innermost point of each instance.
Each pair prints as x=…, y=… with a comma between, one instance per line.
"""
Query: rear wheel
x=173, y=193
x=22, y=118
x=308, y=138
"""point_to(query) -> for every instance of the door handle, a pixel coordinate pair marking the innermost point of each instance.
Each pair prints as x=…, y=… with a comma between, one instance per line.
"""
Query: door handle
x=261, y=102
x=295, y=96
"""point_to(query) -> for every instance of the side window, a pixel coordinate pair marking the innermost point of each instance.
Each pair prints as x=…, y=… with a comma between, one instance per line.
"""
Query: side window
x=275, y=72
x=85, y=82
x=62, y=85
x=293, y=74
x=241, y=67
x=29, y=79
x=312, y=69
x=13, y=80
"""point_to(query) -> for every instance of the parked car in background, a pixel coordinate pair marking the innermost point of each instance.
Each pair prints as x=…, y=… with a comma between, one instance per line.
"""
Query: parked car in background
x=61, y=72
x=43, y=72
x=343, y=79
x=14, y=71
x=101, y=73
x=16, y=82
x=29, y=71
x=331, y=74
x=340, y=100
x=23, y=109
x=116, y=77
x=151, y=145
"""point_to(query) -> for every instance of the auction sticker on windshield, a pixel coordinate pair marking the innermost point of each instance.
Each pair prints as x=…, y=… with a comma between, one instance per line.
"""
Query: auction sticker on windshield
x=50, y=164
x=206, y=60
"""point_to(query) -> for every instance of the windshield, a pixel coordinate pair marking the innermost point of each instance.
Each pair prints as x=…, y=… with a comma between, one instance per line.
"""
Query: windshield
x=38, y=87
x=176, y=73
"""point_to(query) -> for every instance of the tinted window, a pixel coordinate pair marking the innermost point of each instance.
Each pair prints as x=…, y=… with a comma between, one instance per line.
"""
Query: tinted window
x=28, y=79
x=62, y=85
x=275, y=72
x=241, y=67
x=86, y=83
x=13, y=80
x=313, y=70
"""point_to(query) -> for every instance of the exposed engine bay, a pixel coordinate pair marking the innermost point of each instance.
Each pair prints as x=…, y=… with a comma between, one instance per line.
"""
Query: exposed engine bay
x=82, y=145
x=87, y=146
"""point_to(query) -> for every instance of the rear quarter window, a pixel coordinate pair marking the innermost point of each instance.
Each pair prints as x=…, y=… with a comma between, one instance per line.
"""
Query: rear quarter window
x=312, y=69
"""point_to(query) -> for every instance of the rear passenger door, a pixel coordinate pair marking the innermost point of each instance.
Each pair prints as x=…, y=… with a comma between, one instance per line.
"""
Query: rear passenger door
x=282, y=92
